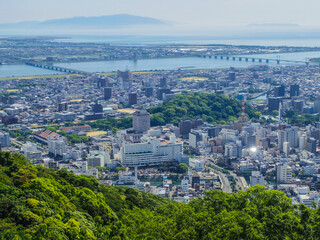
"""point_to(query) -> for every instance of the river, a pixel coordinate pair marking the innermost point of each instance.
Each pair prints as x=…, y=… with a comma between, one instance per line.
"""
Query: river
x=154, y=64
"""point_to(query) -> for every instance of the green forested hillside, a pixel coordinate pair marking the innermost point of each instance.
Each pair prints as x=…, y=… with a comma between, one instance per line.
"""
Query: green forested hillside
x=213, y=108
x=41, y=203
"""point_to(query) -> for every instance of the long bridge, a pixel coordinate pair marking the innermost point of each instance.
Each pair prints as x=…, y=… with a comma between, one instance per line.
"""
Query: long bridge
x=255, y=59
x=56, y=68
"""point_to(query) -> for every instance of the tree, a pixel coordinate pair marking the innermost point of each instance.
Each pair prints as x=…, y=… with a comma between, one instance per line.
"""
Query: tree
x=275, y=113
x=183, y=168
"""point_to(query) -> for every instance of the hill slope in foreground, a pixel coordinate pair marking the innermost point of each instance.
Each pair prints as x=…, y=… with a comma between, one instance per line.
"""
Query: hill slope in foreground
x=41, y=203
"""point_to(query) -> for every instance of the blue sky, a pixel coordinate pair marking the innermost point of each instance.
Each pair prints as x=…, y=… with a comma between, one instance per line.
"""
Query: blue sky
x=206, y=13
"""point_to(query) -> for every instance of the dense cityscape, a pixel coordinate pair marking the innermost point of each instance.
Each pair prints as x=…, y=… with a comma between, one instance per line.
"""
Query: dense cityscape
x=120, y=127
x=162, y=120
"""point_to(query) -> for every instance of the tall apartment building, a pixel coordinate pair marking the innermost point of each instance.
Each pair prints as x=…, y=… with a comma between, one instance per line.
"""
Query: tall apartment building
x=57, y=146
x=289, y=134
x=284, y=173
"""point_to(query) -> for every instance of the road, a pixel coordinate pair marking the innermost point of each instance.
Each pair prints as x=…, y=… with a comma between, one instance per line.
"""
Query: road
x=223, y=178
x=16, y=142
x=225, y=181
x=240, y=182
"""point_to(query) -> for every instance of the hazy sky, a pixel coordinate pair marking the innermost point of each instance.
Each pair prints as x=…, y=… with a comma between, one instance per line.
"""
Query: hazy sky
x=191, y=12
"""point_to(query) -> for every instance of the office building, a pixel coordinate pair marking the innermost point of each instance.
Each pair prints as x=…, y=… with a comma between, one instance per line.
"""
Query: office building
x=213, y=131
x=132, y=99
x=185, y=127
x=311, y=145
x=279, y=91
x=141, y=121
x=107, y=91
x=294, y=90
x=273, y=103
x=297, y=106
x=63, y=107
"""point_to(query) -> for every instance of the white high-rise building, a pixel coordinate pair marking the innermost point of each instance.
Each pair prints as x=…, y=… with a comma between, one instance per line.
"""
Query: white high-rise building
x=233, y=150
x=302, y=142
x=193, y=136
x=261, y=133
x=284, y=173
x=57, y=146
x=290, y=134
x=281, y=139
x=286, y=148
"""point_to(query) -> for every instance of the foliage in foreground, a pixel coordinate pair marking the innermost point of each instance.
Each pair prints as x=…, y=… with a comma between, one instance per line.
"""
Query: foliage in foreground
x=41, y=203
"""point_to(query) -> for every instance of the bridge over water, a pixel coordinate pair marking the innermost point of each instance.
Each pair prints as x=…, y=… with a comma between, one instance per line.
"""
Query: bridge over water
x=60, y=69
x=255, y=59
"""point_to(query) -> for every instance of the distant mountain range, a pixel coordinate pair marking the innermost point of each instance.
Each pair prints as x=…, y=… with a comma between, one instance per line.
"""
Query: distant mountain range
x=102, y=22
x=275, y=25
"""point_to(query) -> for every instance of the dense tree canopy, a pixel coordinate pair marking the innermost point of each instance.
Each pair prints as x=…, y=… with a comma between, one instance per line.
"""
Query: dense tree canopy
x=112, y=124
x=300, y=120
x=41, y=203
x=213, y=108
